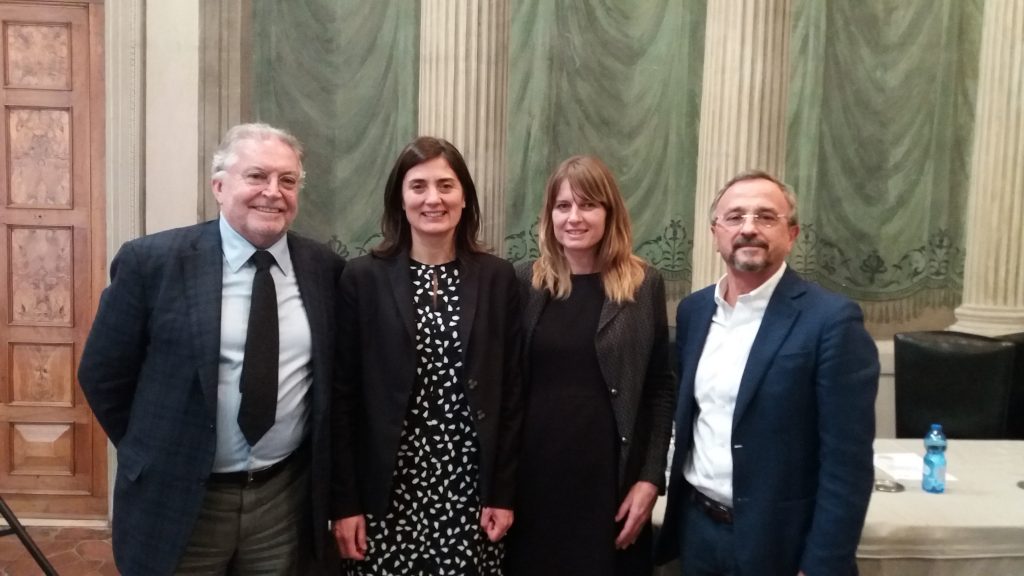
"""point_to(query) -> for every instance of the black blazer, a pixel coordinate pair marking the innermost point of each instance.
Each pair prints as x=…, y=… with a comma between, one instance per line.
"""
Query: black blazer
x=377, y=370
x=149, y=372
x=633, y=354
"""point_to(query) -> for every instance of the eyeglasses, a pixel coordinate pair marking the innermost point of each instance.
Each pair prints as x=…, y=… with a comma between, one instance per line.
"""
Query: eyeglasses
x=764, y=220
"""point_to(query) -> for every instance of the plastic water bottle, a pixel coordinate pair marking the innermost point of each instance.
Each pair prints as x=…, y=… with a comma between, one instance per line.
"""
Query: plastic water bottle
x=934, y=479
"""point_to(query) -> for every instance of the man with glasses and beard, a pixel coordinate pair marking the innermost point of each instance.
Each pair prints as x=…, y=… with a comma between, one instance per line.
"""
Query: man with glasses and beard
x=775, y=421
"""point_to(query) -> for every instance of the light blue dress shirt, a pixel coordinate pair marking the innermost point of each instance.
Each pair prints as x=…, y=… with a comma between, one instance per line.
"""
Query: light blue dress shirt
x=295, y=370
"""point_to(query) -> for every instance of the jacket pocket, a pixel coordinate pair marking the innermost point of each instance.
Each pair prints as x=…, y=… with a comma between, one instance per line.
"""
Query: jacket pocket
x=130, y=463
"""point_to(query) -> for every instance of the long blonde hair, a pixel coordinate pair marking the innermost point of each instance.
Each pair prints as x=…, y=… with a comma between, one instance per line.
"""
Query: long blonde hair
x=622, y=272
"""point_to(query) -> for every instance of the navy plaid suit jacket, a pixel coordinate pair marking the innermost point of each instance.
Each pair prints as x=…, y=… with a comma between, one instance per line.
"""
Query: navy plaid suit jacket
x=149, y=372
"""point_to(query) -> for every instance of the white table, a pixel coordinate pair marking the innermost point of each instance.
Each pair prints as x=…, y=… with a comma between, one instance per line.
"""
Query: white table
x=975, y=527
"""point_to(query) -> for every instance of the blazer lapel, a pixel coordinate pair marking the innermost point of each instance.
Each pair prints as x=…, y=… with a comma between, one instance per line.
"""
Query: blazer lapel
x=775, y=326
x=401, y=289
x=697, y=327
x=535, y=303
x=603, y=340
x=469, y=288
x=203, y=276
x=307, y=276
x=696, y=336
x=609, y=311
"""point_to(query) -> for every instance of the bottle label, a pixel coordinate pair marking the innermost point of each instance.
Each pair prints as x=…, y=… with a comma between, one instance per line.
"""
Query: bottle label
x=934, y=475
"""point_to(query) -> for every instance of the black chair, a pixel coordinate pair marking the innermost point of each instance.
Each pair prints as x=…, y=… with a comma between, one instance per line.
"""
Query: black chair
x=961, y=381
x=1015, y=414
x=15, y=527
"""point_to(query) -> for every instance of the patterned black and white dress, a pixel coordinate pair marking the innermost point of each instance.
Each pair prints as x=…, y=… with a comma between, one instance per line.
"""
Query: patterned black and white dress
x=432, y=526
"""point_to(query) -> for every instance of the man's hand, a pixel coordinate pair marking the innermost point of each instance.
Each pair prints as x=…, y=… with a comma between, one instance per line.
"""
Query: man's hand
x=636, y=511
x=495, y=522
x=350, y=533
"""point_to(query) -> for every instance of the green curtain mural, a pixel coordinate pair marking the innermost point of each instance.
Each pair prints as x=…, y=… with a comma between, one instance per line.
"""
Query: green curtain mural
x=342, y=75
x=880, y=128
x=881, y=114
x=620, y=80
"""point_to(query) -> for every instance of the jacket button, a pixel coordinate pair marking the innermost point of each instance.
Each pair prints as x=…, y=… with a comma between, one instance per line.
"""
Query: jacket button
x=614, y=392
x=480, y=415
x=471, y=384
x=624, y=440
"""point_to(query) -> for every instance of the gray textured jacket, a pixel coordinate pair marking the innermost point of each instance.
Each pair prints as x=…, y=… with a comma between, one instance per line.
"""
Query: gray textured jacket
x=633, y=354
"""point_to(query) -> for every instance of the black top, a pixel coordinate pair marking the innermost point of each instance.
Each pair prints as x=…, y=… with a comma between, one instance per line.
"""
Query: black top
x=568, y=466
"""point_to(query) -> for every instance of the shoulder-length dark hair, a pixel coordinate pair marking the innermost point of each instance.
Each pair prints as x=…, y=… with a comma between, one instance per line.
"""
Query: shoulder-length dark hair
x=393, y=224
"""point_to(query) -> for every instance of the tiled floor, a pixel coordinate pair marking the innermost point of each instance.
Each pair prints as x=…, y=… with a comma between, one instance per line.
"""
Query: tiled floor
x=72, y=551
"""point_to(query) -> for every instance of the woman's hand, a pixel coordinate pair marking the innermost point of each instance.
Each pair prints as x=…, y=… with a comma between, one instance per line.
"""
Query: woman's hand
x=495, y=522
x=350, y=533
x=636, y=511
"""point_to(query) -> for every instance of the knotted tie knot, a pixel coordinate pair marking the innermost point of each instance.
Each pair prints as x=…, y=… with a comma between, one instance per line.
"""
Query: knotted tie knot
x=263, y=260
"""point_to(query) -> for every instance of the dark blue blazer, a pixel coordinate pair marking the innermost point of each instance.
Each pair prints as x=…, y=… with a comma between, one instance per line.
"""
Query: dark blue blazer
x=149, y=372
x=802, y=432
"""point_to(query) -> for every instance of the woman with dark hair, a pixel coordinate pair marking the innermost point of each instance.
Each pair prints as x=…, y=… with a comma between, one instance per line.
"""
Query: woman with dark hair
x=600, y=389
x=426, y=409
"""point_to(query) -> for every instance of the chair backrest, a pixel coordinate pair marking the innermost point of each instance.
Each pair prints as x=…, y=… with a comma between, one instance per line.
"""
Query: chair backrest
x=1015, y=414
x=959, y=380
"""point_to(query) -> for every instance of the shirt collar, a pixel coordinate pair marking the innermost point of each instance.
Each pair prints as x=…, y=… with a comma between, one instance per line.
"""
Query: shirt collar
x=758, y=297
x=238, y=250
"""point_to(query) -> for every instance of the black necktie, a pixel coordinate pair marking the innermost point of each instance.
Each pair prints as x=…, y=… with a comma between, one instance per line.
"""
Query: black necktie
x=260, y=364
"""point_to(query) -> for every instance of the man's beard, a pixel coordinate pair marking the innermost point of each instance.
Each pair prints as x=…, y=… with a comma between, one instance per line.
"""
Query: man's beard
x=753, y=264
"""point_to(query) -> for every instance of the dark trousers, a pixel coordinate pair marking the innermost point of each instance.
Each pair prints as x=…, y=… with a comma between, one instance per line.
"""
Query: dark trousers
x=707, y=546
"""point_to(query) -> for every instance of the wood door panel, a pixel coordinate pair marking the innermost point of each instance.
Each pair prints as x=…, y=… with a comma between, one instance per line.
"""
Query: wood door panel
x=52, y=451
x=38, y=55
x=39, y=154
x=43, y=448
x=42, y=374
x=41, y=280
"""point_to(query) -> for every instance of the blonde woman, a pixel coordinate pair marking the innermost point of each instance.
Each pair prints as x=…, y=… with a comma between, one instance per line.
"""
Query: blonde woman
x=600, y=389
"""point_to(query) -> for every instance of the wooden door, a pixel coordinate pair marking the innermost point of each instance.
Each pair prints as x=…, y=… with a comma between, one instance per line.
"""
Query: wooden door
x=52, y=452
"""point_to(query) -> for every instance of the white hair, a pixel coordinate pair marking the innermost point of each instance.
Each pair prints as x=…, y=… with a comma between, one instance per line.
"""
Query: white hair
x=225, y=156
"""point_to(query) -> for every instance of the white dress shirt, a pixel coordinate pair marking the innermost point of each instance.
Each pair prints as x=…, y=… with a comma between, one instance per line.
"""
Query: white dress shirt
x=717, y=382
x=295, y=370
